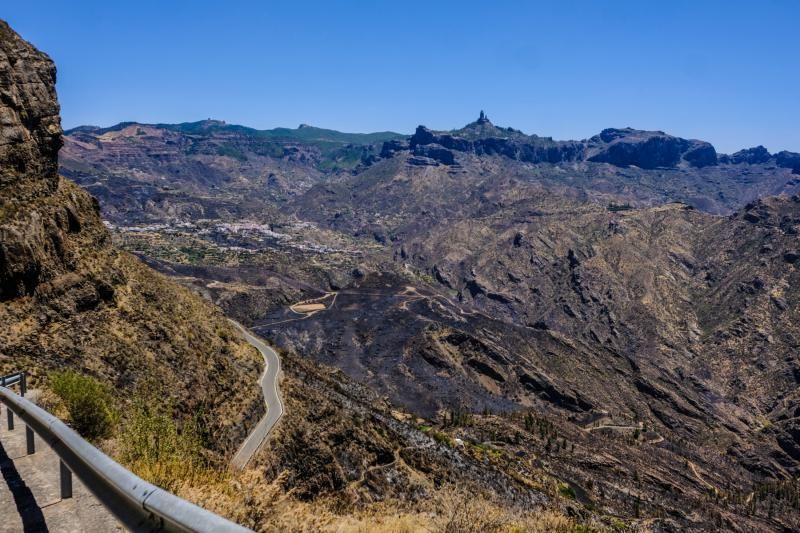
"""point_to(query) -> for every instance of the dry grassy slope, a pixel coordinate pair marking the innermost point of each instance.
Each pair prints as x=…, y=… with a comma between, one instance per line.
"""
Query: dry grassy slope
x=704, y=309
x=69, y=299
x=681, y=321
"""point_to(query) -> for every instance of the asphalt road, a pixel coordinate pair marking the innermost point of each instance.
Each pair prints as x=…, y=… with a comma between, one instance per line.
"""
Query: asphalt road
x=269, y=386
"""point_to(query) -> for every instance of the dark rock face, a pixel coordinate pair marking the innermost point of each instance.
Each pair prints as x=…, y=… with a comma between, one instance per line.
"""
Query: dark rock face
x=30, y=127
x=437, y=153
x=788, y=160
x=392, y=147
x=530, y=149
x=620, y=147
x=652, y=153
x=31, y=245
x=751, y=156
x=644, y=149
x=701, y=154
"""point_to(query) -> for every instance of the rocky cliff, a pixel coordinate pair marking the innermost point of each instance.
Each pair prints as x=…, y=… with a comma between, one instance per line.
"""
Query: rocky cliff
x=648, y=149
x=68, y=298
x=484, y=138
x=621, y=147
x=30, y=133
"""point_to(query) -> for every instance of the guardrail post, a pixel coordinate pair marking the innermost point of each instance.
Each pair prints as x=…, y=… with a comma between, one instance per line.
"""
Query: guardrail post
x=31, y=445
x=23, y=384
x=10, y=414
x=66, y=481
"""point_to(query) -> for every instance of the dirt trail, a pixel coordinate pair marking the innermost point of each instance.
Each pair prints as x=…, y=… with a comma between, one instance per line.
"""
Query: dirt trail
x=693, y=468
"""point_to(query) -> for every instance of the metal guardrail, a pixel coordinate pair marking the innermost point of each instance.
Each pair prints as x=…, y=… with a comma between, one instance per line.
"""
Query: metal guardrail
x=139, y=505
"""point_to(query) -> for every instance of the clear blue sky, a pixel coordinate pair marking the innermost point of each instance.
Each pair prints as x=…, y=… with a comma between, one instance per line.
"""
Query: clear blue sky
x=724, y=71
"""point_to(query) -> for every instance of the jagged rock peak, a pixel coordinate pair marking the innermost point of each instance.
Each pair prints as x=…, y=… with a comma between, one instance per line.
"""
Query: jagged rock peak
x=483, y=118
x=30, y=126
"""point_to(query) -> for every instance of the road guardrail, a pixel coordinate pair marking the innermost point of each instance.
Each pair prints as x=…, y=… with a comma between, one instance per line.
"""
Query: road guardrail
x=137, y=504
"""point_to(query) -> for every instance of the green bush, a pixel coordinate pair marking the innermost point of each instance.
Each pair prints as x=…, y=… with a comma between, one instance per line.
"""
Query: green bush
x=566, y=491
x=88, y=402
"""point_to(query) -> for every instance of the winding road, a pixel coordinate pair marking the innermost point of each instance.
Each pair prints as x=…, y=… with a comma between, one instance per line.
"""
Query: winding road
x=272, y=397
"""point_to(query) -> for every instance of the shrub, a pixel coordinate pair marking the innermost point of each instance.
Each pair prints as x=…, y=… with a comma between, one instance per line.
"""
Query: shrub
x=157, y=447
x=88, y=402
x=566, y=491
x=441, y=438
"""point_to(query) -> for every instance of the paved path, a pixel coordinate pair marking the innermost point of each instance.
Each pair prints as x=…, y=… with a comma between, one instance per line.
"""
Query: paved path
x=272, y=397
x=30, y=498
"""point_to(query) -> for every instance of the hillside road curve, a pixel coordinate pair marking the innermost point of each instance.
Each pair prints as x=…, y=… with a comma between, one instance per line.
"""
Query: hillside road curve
x=272, y=397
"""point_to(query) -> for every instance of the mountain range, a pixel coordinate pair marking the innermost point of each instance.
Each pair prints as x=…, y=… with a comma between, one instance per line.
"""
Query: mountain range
x=70, y=300
x=578, y=334
x=635, y=290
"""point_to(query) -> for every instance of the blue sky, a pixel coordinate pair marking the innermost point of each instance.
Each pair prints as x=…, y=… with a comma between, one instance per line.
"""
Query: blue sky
x=723, y=71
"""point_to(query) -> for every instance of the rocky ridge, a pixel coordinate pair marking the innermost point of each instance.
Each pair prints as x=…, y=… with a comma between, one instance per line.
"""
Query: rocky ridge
x=621, y=147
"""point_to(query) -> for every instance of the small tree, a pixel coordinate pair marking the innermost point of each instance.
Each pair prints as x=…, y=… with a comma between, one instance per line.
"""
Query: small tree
x=88, y=403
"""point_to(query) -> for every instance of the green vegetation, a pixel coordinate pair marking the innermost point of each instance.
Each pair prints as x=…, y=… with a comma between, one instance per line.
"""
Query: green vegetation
x=566, y=491
x=159, y=449
x=230, y=151
x=88, y=402
x=483, y=448
x=152, y=443
x=618, y=525
x=441, y=438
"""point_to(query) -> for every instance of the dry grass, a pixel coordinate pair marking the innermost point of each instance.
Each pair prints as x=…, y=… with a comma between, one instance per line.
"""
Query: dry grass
x=249, y=499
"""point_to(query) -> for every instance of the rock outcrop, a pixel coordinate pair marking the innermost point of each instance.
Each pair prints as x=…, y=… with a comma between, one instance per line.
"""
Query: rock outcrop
x=30, y=127
x=619, y=147
x=483, y=138
x=648, y=149
x=751, y=156
x=788, y=160
x=31, y=245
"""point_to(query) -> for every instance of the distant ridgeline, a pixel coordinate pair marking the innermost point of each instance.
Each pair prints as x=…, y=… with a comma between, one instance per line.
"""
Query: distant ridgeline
x=617, y=146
